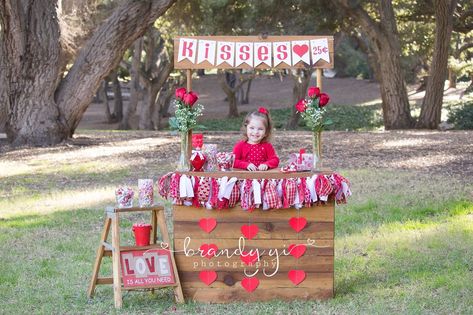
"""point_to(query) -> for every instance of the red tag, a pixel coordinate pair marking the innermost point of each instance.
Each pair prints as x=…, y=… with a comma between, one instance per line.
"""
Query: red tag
x=298, y=224
x=297, y=250
x=249, y=257
x=249, y=231
x=250, y=284
x=208, y=250
x=296, y=276
x=208, y=224
x=207, y=276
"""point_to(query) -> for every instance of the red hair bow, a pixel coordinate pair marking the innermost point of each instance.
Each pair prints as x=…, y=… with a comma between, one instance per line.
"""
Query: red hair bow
x=263, y=110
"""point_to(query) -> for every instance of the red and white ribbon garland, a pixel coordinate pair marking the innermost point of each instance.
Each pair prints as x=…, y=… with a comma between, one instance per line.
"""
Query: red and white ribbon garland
x=225, y=193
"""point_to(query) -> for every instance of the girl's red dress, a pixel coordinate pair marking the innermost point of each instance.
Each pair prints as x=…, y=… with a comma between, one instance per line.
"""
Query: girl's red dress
x=261, y=153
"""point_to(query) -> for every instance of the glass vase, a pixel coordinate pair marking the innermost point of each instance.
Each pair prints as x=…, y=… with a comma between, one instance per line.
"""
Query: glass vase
x=184, y=162
x=317, y=150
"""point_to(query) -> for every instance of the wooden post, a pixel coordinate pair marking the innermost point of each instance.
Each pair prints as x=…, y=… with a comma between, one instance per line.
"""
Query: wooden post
x=319, y=84
x=117, y=283
x=189, y=133
x=178, y=294
x=98, y=258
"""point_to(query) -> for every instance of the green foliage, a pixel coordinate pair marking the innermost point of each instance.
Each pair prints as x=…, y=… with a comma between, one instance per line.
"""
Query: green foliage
x=344, y=117
x=351, y=61
x=462, y=116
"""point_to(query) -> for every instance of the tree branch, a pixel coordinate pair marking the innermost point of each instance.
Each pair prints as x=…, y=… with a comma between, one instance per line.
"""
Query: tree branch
x=103, y=52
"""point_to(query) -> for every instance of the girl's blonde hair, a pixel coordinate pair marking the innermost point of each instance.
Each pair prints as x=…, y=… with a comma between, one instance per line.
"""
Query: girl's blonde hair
x=265, y=117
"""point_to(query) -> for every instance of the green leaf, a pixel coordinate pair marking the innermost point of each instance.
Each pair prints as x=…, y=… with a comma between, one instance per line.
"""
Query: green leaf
x=173, y=123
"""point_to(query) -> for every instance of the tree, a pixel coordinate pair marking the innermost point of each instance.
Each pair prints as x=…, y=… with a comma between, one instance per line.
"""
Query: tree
x=431, y=110
x=383, y=37
x=45, y=106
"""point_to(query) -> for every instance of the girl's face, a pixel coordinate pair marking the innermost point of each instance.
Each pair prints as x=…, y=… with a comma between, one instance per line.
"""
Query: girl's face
x=255, y=130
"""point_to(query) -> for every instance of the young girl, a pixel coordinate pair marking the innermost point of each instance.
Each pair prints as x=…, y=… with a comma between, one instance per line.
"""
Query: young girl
x=255, y=153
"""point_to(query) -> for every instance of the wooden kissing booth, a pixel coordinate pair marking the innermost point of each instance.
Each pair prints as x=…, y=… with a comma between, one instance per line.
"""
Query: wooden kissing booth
x=235, y=254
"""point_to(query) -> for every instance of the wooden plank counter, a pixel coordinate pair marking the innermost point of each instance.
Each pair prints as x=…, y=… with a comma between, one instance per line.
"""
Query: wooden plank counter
x=274, y=235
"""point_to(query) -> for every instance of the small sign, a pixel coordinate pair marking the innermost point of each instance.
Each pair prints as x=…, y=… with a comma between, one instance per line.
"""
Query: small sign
x=147, y=268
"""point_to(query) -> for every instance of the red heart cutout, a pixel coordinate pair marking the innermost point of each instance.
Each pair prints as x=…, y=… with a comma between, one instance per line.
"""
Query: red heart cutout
x=207, y=276
x=297, y=250
x=208, y=224
x=300, y=49
x=249, y=257
x=250, y=284
x=298, y=224
x=296, y=276
x=249, y=231
x=208, y=250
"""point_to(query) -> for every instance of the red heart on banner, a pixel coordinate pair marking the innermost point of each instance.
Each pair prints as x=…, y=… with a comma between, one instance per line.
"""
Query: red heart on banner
x=249, y=231
x=208, y=250
x=207, y=276
x=249, y=257
x=298, y=224
x=208, y=224
x=296, y=276
x=300, y=49
x=250, y=284
x=297, y=250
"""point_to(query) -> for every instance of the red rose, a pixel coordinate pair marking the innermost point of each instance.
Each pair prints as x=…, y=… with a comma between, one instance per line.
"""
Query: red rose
x=190, y=98
x=313, y=91
x=323, y=100
x=180, y=92
x=301, y=106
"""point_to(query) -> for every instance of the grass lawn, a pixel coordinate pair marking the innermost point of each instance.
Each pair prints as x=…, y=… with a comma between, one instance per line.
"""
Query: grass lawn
x=404, y=241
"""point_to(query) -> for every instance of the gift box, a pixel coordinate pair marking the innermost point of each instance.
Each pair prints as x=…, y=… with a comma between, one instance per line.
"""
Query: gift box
x=303, y=161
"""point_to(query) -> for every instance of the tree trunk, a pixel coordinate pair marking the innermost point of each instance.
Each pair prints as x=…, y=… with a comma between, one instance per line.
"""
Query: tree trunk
x=452, y=79
x=44, y=108
x=384, y=41
x=29, y=55
x=246, y=98
x=431, y=110
x=117, y=98
x=103, y=94
x=299, y=89
x=130, y=108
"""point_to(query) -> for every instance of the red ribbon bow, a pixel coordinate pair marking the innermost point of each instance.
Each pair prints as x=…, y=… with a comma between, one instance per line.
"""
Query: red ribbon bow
x=263, y=110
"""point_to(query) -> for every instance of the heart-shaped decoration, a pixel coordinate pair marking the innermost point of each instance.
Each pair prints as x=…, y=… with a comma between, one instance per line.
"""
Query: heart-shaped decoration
x=249, y=257
x=300, y=50
x=249, y=231
x=208, y=250
x=207, y=224
x=298, y=224
x=208, y=276
x=296, y=276
x=250, y=284
x=297, y=250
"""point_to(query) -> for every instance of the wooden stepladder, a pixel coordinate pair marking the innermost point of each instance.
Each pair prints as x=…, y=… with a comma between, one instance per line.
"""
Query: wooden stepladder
x=114, y=250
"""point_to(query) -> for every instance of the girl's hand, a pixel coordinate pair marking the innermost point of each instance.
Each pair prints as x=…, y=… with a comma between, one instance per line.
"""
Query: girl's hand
x=251, y=167
x=263, y=167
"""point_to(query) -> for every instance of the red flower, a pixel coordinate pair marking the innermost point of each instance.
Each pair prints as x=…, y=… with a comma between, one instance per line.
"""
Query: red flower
x=323, y=100
x=180, y=92
x=301, y=106
x=263, y=110
x=190, y=98
x=313, y=91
